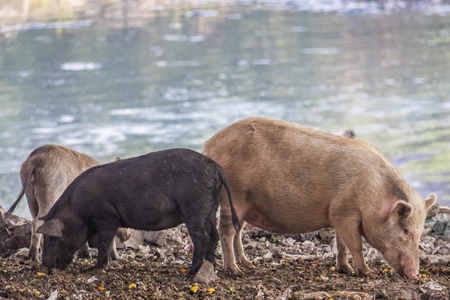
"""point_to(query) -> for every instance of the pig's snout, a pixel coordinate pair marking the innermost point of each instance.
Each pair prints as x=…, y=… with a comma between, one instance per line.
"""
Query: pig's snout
x=50, y=264
x=55, y=262
x=409, y=274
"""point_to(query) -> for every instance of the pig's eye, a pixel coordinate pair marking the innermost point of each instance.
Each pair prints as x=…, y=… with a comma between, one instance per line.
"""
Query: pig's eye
x=407, y=232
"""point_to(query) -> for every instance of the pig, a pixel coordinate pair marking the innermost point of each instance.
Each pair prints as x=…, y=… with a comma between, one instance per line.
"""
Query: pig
x=291, y=179
x=45, y=174
x=154, y=191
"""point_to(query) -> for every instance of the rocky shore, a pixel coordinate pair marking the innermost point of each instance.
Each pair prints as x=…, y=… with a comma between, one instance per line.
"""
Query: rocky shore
x=154, y=265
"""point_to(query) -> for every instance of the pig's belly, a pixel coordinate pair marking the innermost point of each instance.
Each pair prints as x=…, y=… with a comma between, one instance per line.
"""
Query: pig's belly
x=288, y=221
x=161, y=222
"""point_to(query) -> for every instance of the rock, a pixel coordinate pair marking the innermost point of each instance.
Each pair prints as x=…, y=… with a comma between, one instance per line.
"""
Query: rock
x=268, y=255
x=163, y=237
x=250, y=244
x=22, y=252
x=289, y=242
x=54, y=295
x=438, y=209
x=297, y=256
x=286, y=294
x=260, y=296
x=206, y=274
x=157, y=238
x=373, y=255
x=15, y=233
x=308, y=246
x=175, y=235
x=326, y=234
x=442, y=227
x=144, y=250
x=332, y=295
x=432, y=286
x=434, y=259
x=136, y=239
x=427, y=243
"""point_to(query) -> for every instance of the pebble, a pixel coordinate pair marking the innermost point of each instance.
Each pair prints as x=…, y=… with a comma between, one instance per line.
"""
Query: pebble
x=206, y=274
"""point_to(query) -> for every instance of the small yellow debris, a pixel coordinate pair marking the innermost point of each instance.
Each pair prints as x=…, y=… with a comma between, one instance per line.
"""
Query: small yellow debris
x=385, y=270
x=332, y=269
x=41, y=274
x=37, y=293
x=210, y=290
x=100, y=288
x=183, y=270
x=194, y=288
x=132, y=286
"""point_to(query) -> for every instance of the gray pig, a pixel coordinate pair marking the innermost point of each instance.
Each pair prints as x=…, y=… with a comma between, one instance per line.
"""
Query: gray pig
x=155, y=191
x=291, y=179
x=45, y=174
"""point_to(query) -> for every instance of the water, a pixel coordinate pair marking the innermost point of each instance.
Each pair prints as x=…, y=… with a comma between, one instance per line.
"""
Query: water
x=126, y=78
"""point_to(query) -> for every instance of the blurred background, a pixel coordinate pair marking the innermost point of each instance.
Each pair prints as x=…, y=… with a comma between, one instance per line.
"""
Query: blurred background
x=126, y=77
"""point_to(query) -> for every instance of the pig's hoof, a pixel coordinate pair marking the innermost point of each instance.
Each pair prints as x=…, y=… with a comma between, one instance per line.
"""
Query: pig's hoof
x=118, y=257
x=33, y=254
x=234, y=272
x=248, y=264
x=236, y=275
x=345, y=268
x=365, y=272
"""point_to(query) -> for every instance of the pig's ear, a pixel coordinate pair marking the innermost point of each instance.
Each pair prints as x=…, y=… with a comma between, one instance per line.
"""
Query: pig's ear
x=401, y=210
x=430, y=201
x=52, y=228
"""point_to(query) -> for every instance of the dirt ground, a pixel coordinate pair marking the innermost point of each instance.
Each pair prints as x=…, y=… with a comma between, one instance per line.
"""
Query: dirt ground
x=161, y=273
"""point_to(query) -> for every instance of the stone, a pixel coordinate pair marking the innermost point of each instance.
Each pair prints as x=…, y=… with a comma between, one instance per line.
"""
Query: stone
x=205, y=274
x=433, y=259
x=15, y=233
x=157, y=238
x=308, y=246
x=331, y=294
x=437, y=209
x=326, y=234
x=136, y=239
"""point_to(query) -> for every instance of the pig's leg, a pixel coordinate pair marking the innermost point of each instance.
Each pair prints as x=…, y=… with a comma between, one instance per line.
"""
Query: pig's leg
x=200, y=240
x=213, y=237
x=36, y=240
x=105, y=238
x=352, y=239
x=227, y=233
x=239, y=248
x=113, y=252
x=122, y=234
x=342, y=264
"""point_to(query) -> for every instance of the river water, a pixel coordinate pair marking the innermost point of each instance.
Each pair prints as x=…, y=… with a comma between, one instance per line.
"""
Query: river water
x=123, y=78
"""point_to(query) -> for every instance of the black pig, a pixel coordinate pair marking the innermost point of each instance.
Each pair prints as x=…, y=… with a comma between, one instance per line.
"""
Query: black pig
x=154, y=191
